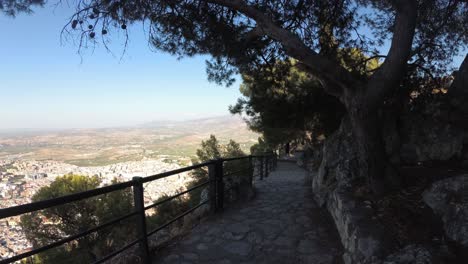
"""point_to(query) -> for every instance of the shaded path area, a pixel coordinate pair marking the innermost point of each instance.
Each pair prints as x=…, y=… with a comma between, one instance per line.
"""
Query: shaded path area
x=282, y=224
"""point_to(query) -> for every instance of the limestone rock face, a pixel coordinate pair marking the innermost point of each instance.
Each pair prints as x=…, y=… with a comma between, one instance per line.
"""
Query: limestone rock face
x=411, y=254
x=448, y=199
x=362, y=238
x=339, y=164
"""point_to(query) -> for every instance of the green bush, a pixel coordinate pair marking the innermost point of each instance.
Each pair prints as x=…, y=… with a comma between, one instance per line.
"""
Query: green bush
x=49, y=225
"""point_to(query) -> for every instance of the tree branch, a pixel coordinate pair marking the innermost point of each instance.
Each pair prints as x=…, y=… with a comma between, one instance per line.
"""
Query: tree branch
x=390, y=73
x=253, y=34
x=329, y=70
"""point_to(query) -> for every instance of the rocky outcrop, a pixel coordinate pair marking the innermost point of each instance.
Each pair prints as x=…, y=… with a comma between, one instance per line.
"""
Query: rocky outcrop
x=448, y=199
x=339, y=166
x=362, y=238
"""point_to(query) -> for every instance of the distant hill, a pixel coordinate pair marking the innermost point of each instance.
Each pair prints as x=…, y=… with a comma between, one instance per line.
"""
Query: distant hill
x=225, y=127
x=88, y=147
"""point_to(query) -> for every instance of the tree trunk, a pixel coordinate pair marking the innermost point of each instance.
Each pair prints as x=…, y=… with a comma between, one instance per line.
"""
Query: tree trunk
x=373, y=162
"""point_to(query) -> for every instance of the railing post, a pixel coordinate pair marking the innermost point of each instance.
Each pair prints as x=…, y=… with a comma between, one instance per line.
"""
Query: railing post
x=251, y=171
x=219, y=184
x=138, y=199
x=271, y=163
x=212, y=189
x=261, y=167
x=267, y=166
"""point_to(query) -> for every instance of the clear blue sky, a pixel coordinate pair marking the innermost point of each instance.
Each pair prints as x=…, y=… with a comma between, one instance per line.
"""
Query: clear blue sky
x=44, y=84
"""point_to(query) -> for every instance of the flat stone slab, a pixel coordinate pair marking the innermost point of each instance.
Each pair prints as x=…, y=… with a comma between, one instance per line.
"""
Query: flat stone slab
x=238, y=248
x=238, y=228
x=283, y=224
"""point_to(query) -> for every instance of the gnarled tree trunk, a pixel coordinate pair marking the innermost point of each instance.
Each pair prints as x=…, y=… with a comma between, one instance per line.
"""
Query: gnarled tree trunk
x=374, y=163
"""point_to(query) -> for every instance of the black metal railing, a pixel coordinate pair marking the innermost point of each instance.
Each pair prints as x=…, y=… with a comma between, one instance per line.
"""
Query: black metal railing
x=258, y=167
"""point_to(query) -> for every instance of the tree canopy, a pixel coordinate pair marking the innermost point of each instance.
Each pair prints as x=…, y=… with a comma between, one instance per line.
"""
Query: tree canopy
x=244, y=35
x=13, y=7
x=261, y=147
x=212, y=149
x=285, y=103
x=49, y=225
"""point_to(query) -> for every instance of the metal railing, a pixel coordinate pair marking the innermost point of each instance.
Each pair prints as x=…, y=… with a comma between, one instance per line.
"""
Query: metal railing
x=259, y=167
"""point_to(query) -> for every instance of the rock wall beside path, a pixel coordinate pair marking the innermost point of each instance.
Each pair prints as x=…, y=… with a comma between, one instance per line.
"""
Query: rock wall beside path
x=448, y=198
x=363, y=239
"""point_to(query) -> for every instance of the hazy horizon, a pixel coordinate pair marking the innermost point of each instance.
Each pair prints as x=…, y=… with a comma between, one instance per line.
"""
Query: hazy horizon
x=133, y=125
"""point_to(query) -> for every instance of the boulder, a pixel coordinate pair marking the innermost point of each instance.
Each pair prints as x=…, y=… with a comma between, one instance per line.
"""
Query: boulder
x=448, y=198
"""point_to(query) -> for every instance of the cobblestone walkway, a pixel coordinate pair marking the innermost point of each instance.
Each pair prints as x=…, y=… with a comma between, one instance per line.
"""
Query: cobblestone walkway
x=282, y=224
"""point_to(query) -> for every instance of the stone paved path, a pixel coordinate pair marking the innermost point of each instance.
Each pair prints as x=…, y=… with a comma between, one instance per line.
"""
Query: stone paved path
x=282, y=224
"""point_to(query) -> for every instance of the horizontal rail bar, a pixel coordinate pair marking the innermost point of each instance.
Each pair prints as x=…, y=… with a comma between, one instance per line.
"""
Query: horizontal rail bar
x=177, y=195
x=236, y=158
x=120, y=250
x=66, y=240
x=177, y=218
x=235, y=172
x=173, y=172
x=36, y=206
x=263, y=156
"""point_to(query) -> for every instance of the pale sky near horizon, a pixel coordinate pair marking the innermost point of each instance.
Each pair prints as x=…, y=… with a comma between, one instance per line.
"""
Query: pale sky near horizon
x=46, y=84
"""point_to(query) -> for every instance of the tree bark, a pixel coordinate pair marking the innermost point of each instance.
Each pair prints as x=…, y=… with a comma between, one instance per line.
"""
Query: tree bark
x=373, y=162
